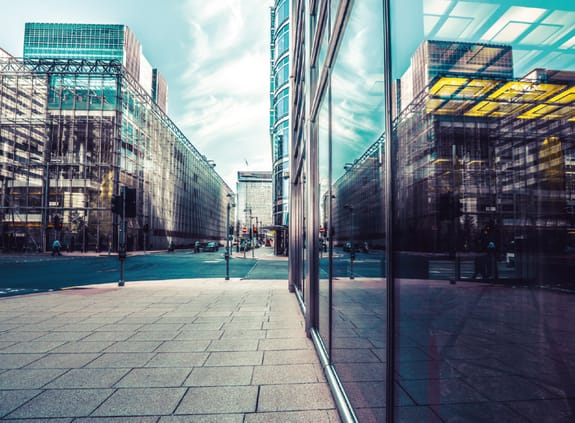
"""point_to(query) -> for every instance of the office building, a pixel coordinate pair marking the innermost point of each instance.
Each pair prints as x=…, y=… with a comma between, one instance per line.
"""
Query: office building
x=280, y=120
x=96, y=42
x=76, y=130
x=431, y=221
x=254, y=204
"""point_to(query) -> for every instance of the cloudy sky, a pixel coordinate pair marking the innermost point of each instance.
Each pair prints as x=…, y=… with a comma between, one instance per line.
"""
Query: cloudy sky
x=214, y=55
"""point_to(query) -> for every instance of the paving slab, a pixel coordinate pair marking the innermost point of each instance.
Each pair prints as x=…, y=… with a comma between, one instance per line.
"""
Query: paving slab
x=160, y=351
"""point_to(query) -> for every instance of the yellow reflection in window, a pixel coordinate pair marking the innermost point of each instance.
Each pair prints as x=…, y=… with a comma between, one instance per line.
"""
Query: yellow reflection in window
x=525, y=91
x=495, y=109
x=447, y=86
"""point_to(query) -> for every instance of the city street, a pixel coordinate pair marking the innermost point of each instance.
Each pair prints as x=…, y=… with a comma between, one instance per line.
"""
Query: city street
x=42, y=272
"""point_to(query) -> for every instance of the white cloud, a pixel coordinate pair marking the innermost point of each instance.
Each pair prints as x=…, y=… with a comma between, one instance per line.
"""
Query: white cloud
x=226, y=99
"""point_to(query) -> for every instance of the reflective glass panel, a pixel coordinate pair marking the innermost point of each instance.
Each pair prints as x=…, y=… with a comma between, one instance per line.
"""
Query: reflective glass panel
x=484, y=219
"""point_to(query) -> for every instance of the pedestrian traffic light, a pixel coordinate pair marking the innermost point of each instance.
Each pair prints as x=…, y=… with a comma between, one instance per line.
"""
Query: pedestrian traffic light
x=117, y=204
x=231, y=230
x=146, y=228
x=57, y=222
x=130, y=198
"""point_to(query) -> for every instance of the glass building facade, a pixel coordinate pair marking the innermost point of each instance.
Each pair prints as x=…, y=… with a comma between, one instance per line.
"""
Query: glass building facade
x=432, y=217
x=73, y=133
x=279, y=120
x=253, y=204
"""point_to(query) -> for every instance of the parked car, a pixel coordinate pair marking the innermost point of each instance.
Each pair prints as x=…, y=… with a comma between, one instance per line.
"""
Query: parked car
x=212, y=246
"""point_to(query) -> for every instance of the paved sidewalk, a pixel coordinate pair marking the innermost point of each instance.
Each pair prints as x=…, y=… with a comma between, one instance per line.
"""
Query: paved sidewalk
x=162, y=351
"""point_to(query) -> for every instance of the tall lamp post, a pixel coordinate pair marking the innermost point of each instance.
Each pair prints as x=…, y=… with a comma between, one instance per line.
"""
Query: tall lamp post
x=228, y=252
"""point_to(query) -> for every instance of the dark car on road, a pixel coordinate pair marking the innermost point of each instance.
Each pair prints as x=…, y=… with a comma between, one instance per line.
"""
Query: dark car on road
x=212, y=246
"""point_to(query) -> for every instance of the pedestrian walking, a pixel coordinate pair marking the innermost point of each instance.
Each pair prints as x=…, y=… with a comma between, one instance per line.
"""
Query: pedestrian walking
x=56, y=246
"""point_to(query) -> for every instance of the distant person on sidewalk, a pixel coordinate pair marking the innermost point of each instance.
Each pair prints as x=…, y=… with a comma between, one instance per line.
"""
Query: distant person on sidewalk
x=56, y=246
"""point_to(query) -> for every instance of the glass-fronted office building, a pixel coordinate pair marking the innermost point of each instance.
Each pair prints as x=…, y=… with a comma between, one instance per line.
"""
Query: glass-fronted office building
x=254, y=205
x=432, y=223
x=74, y=131
x=279, y=120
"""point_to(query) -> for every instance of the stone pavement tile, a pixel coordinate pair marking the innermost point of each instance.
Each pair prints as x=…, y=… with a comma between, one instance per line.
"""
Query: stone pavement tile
x=133, y=346
x=203, y=319
x=233, y=344
x=283, y=374
x=87, y=378
x=16, y=361
x=301, y=356
x=244, y=333
x=220, y=376
x=6, y=344
x=191, y=334
x=236, y=358
x=154, y=377
x=121, y=360
x=139, y=320
x=199, y=345
x=441, y=391
x=109, y=336
x=486, y=412
x=204, y=418
x=82, y=347
x=139, y=419
x=295, y=397
x=286, y=322
x=141, y=402
x=186, y=360
x=28, y=378
x=285, y=344
x=66, y=420
x=545, y=411
x=63, y=361
x=32, y=347
x=62, y=403
x=311, y=416
x=286, y=333
x=120, y=327
x=63, y=336
x=226, y=399
x=213, y=326
x=253, y=324
x=10, y=400
x=20, y=336
x=154, y=335
x=162, y=327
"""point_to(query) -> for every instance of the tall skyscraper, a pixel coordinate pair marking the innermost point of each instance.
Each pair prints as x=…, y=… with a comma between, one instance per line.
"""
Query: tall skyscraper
x=280, y=119
x=96, y=42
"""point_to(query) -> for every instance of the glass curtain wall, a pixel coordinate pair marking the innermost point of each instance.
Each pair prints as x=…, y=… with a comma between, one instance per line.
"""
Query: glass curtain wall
x=437, y=254
x=483, y=210
x=343, y=237
x=74, y=132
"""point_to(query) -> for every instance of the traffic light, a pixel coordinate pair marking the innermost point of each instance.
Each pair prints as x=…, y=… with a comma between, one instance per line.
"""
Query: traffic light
x=117, y=204
x=146, y=228
x=231, y=230
x=57, y=222
x=130, y=194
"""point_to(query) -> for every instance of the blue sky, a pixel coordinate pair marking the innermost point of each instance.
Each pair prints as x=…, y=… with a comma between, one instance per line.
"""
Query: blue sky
x=214, y=55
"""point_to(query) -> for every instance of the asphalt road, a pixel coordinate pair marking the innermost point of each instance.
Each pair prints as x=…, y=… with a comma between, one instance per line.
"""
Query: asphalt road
x=32, y=273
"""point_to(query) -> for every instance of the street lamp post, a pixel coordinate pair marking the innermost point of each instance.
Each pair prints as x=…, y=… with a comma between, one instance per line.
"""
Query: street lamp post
x=228, y=251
